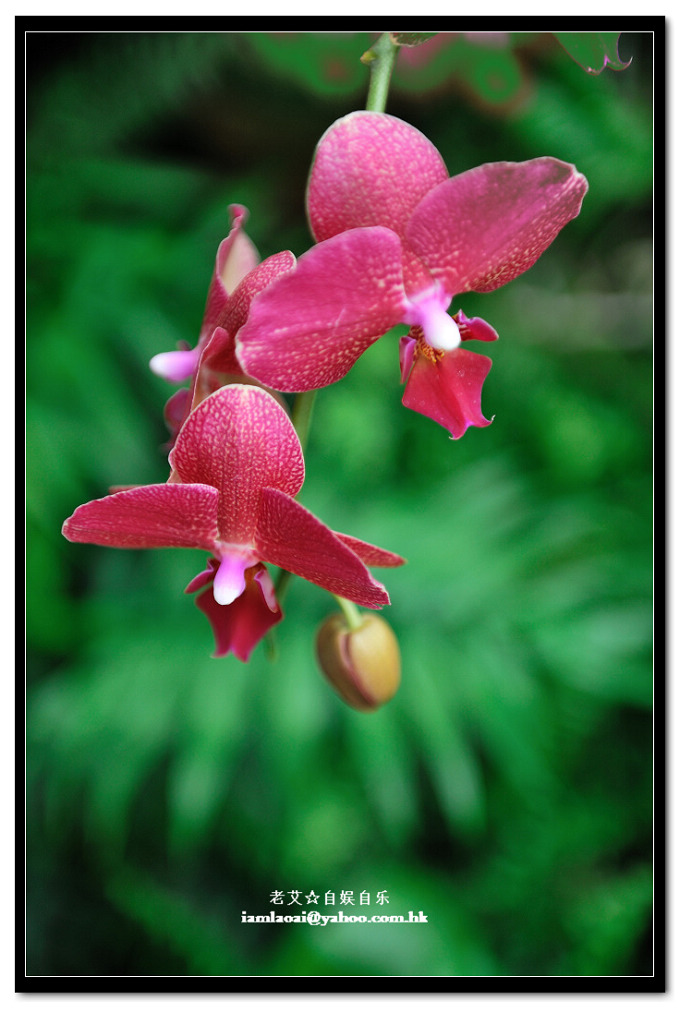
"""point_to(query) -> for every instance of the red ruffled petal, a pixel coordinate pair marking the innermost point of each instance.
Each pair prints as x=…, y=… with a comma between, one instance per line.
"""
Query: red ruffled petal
x=448, y=389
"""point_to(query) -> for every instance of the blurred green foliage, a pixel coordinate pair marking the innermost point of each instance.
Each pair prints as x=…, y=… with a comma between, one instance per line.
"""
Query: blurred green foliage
x=506, y=791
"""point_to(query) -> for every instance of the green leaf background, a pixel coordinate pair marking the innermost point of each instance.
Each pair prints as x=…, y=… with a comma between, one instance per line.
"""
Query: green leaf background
x=507, y=790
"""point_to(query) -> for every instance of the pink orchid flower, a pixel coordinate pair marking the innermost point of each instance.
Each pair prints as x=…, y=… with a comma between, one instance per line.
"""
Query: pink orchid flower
x=397, y=239
x=237, y=277
x=236, y=468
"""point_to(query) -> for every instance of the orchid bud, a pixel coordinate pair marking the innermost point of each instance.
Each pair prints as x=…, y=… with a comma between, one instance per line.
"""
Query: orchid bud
x=363, y=665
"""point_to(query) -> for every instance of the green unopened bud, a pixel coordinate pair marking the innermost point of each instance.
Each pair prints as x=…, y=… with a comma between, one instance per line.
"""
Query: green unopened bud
x=362, y=664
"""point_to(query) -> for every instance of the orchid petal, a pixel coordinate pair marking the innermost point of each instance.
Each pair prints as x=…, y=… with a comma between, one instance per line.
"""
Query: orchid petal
x=308, y=328
x=481, y=229
x=240, y=626
x=291, y=537
x=239, y=440
x=219, y=353
x=369, y=169
x=219, y=347
x=369, y=553
x=154, y=516
x=236, y=257
x=448, y=389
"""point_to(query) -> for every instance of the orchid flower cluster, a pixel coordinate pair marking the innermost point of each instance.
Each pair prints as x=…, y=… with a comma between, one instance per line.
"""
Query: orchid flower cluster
x=396, y=238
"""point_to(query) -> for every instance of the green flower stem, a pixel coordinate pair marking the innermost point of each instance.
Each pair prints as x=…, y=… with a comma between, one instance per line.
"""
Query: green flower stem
x=301, y=417
x=303, y=406
x=352, y=614
x=380, y=59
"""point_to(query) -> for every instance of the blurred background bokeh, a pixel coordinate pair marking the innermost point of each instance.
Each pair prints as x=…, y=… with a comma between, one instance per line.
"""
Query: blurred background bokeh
x=506, y=792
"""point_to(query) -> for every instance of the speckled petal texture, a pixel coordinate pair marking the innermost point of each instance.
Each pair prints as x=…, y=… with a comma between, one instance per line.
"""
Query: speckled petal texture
x=239, y=440
x=155, y=516
x=483, y=228
x=309, y=327
x=370, y=169
x=291, y=537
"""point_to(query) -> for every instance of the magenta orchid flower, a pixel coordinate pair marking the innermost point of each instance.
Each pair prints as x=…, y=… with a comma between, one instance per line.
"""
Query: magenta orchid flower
x=236, y=465
x=397, y=239
x=237, y=277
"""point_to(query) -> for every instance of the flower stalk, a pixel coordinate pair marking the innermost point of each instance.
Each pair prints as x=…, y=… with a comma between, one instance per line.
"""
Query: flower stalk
x=353, y=616
x=380, y=59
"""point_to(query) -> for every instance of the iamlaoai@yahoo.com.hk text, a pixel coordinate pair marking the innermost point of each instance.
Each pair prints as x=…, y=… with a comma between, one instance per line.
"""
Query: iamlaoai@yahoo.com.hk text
x=315, y=917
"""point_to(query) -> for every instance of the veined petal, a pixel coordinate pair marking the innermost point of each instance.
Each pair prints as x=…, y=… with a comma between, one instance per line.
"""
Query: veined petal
x=481, y=229
x=308, y=328
x=240, y=626
x=154, y=516
x=239, y=440
x=448, y=389
x=369, y=553
x=368, y=169
x=291, y=537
